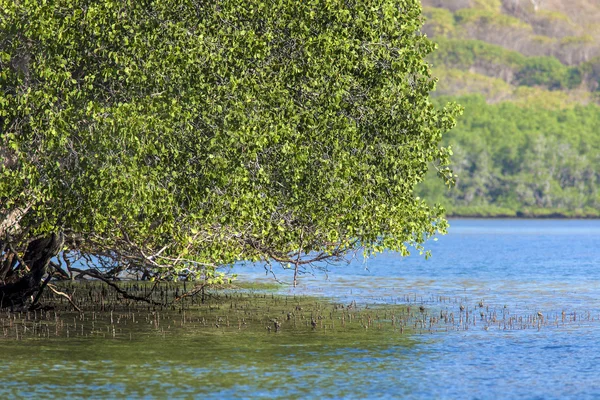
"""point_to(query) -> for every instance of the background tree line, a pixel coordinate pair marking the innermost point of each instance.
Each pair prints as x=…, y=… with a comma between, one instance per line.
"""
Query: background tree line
x=527, y=73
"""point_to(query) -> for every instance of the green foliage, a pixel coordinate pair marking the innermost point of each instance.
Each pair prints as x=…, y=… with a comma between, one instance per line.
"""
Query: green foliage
x=438, y=21
x=537, y=97
x=576, y=40
x=544, y=71
x=590, y=73
x=496, y=61
x=526, y=161
x=488, y=5
x=488, y=17
x=460, y=82
x=528, y=144
x=192, y=134
x=461, y=53
x=572, y=38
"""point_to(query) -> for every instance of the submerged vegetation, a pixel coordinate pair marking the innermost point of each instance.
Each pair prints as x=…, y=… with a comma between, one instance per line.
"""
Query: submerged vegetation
x=251, y=308
x=88, y=310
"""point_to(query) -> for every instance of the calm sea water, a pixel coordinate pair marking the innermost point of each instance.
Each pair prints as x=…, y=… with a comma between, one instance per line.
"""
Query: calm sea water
x=516, y=267
x=525, y=266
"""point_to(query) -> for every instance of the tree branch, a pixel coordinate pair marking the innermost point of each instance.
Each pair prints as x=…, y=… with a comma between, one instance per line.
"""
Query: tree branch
x=122, y=292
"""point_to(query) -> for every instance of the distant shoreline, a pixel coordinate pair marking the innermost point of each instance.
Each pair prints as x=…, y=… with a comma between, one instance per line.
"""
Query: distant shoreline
x=552, y=216
x=524, y=213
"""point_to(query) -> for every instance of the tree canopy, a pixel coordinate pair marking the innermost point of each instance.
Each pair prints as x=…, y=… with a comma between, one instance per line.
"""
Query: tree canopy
x=173, y=137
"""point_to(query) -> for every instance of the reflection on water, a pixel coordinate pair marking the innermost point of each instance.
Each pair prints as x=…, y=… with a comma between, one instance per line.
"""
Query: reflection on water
x=544, y=274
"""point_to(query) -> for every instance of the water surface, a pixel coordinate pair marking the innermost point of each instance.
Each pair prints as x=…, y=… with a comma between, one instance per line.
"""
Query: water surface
x=509, y=267
x=523, y=266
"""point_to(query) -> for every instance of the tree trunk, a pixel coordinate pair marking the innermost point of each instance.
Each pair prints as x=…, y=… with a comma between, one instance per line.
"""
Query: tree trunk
x=18, y=294
x=10, y=221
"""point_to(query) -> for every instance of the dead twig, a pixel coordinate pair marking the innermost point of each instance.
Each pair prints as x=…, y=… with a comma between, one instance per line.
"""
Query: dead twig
x=63, y=294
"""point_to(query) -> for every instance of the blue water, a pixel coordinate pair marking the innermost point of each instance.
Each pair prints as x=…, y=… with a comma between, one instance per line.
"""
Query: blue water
x=524, y=267
x=517, y=270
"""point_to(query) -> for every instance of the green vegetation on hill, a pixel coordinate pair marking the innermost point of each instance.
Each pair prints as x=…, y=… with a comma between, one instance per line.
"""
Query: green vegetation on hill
x=547, y=30
x=528, y=76
x=511, y=66
x=522, y=161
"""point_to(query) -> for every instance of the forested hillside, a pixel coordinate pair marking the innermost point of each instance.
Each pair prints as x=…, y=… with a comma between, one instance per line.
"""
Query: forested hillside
x=528, y=75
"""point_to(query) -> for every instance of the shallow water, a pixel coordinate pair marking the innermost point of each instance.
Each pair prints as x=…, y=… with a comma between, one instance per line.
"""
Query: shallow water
x=515, y=268
x=518, y=266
